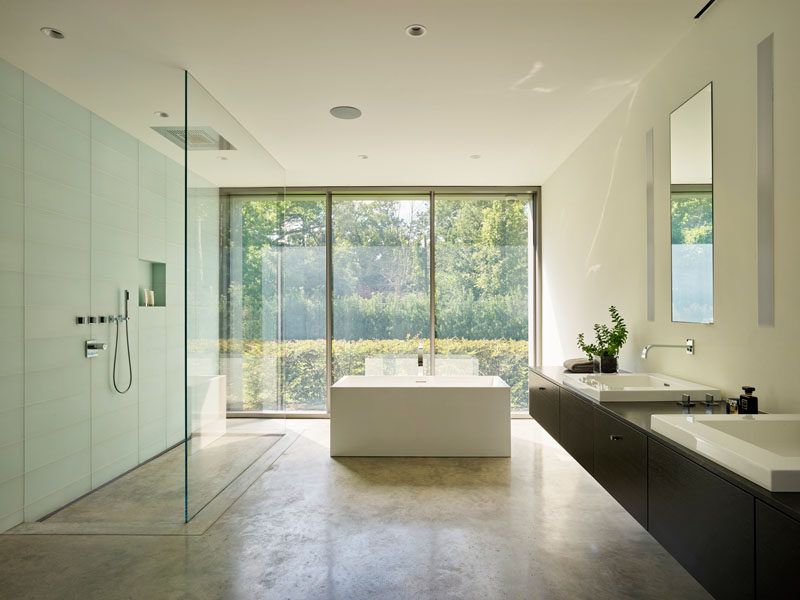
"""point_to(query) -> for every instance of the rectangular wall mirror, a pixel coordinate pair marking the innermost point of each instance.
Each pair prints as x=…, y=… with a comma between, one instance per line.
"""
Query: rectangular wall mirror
x=692, y=210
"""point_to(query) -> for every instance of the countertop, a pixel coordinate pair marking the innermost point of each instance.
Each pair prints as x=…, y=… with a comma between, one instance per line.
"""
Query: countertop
x=638, y=415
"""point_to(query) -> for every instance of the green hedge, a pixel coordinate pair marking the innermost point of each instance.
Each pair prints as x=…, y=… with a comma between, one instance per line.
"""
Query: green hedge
x=302, y=365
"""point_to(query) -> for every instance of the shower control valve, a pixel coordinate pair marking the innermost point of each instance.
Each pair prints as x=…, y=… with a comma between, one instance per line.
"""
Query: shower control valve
x=93, y=348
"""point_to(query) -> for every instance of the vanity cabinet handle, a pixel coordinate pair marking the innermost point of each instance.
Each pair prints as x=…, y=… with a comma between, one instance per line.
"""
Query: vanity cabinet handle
x=541, y=389
x=615, y=438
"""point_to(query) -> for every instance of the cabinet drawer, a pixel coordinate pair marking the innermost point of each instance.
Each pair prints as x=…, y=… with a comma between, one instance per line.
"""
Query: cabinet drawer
x=620, y=463
x=777, y=548
x=705, y=522
x=543, y=402
x=576, y=428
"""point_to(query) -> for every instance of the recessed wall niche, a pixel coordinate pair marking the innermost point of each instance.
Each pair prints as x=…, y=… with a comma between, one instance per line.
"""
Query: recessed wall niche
x=153, y=276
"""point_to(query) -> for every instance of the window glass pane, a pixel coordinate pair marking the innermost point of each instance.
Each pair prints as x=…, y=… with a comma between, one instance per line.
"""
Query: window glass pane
x=381, y=284
x=481, y=260
x=275, y=305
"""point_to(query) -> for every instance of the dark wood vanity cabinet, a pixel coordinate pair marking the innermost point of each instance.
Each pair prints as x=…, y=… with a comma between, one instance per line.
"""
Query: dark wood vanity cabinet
x=777, y=552
x=576, y=428
x=737, y=544
x=543, y=403
x=705, y=522
x=620, y=463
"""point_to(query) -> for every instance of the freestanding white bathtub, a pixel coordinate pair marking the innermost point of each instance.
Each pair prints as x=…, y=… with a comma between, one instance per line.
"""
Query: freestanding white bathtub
x=420, y=416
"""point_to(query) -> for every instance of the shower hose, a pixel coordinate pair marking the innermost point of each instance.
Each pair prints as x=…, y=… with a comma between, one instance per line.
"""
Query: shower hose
x=116, y=348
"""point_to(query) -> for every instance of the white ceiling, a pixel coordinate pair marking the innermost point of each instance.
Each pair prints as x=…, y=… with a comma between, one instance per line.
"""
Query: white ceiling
x=519, y=82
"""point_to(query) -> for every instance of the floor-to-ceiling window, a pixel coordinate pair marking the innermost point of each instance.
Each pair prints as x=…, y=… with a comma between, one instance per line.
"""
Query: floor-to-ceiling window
x=295, y=319
x=381, y=283
x=274, y=302
x=482, y=281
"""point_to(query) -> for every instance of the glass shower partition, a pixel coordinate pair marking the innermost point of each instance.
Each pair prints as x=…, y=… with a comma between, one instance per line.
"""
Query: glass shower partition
x=220, y=154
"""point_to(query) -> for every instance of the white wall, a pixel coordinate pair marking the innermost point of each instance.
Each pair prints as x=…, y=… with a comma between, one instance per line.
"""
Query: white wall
x=594, y=213
x=81, y=202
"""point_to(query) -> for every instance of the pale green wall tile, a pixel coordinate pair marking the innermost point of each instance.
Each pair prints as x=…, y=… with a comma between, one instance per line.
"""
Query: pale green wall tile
x=175, y=192
x=108, y=187
x=113, y=424
x=11, y=393
x=50, y=195
x=11, y=425
x=52, y=165
x=42, y=450
x=55, y=229
x=55, y=484
x=115, y=267
x=152, y=249
x=41, y=386
x=54, y=353
x=152, y=203
x=106, y=297
x=51, y=259
x=152, y=226
x=152, y=439
x=11, y=503
x=57, y=106
x=11, y=288
x=11, y=463
x=10, y=360
x=56, y=290
x=53, y=321
x=11, y=149
x=11, y=184
x=116, y=215
x=114, y=163
x=113, y=137
x=10, y=80
x=43, y=418
x=11, y=219
x=113, y=239
x=152, y=398
x=11, y=114
x=113, y=457
x=174, y=216
x=53, y=134
x=10, y=253
x=151, y=160
x=175, y=173
x=10, y=326
x=153, y=181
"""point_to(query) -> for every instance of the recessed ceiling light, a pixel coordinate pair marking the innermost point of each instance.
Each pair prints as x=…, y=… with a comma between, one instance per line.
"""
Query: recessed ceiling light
x=161, y=113
x=345, y=112
x=475, y=156
x=52, y=33
x=416, y=30
x=222, y=158
x=363, y=156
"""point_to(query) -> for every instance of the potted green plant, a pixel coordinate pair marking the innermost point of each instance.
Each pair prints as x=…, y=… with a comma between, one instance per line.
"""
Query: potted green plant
x=605, y=351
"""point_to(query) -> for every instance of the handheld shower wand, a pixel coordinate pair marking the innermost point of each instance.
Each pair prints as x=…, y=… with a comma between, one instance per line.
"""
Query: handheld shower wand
x=125, y=318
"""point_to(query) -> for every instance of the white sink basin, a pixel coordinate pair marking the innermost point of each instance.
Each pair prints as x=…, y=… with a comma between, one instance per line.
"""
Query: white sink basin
x=762, y=448
x=637, y=387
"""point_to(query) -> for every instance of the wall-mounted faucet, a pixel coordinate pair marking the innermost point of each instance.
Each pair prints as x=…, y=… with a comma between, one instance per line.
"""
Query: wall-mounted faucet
x=688, y=346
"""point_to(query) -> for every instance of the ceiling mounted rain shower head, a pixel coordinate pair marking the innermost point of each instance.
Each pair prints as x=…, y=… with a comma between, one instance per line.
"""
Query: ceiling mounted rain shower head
x=201, y=137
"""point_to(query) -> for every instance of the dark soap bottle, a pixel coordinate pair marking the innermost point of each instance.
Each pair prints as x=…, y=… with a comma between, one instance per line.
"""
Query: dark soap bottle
x=748, y=404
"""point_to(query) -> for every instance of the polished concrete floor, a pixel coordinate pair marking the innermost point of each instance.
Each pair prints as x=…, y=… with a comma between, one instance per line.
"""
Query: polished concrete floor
x=154, y=493
x=533, y=526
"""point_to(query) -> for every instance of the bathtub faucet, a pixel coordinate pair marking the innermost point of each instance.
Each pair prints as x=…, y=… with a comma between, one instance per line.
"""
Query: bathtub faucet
x=420, y=370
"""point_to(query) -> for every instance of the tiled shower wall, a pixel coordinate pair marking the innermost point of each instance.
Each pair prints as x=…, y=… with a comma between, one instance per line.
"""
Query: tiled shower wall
x=81, y=202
